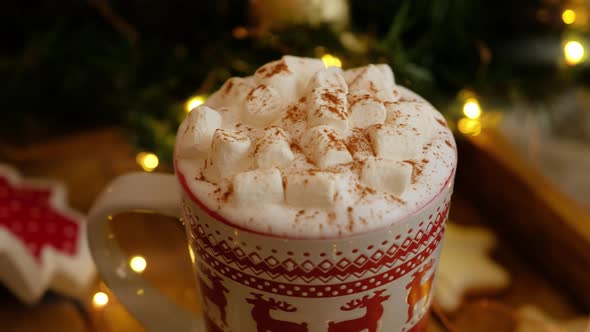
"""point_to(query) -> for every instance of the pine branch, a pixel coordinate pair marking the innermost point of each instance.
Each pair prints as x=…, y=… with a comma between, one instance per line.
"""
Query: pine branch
x=105, y=9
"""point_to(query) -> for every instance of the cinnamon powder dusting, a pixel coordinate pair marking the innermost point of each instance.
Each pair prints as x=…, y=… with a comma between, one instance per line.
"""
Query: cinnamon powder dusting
x=334, y=141
x=338, y=111
x=350, y=225
x=229, y=137
x=447, y=142
x=354, y=99
x=363, y=191
x=372, y=87
x=298, y=216
x=417, y=168
x=227, y=194
x=358, y=144
x=275, y=69
x=200, y=177
x=228, y=87
x=441, y=122
x=331, y=218
x=295, y=114
x=295, y=147
x=330, y=97
x=395, y=199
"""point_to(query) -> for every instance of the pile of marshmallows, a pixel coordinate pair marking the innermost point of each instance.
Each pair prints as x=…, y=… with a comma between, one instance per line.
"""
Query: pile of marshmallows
x=246, y=137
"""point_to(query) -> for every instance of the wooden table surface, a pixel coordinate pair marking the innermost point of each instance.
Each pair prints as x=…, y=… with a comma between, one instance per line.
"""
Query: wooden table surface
x=87, y=162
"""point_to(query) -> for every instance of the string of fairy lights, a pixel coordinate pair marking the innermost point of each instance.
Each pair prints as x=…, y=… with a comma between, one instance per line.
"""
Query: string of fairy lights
x=472, y=119
x=149, y=161
x=138, y=264
x=469, y=119
x=575, y=17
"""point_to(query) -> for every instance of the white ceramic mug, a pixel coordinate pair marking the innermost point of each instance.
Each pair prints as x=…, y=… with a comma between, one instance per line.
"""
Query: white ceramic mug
x=375, y=281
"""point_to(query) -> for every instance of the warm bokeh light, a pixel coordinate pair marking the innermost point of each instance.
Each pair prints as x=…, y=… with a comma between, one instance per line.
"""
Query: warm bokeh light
x=573, y=52
x=471, y=108
x=568, y=16
x=465, y=94
x=240, y=33
x=191, y=253
x=100, y=299
x=331, y=61
x=138, y=264
x=469, y=126
x=194, y=102
x=147, y=160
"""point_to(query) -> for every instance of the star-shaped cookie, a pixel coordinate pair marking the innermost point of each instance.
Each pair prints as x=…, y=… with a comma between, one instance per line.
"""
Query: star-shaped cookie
x=532, y=319
x=42, y=241
x=465, y=266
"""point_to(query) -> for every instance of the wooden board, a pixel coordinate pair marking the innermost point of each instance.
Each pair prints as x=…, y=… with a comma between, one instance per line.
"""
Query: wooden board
x=540, y=222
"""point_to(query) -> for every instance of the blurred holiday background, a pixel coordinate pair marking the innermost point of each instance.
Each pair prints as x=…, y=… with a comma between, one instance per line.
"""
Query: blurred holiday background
x=516, y=68
x=70, y=65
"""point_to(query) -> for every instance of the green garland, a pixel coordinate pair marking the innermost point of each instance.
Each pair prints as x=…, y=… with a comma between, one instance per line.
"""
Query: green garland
x=139, y=65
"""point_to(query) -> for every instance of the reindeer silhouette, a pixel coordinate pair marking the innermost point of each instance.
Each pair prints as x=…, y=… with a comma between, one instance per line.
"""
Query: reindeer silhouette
x=214, y=294
x=265, y=323
x=418, y=289
x=373, y=313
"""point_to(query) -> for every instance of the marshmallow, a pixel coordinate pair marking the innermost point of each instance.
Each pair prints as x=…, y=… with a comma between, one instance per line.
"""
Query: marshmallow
x=325, y=147
x=394, y=143
x=377, y=80
x=232, y=93
x=228, y=154
x=263, y=105
x=386, y=74
x=365, y=110
x=197, y=134
x=311, y=189
x=289, y=75
x=304, y=67
x=273, y=149
x=415, y=116
x=386, y=175
x=326, y=150
x=329, y=78
x=258, y=187
x=350, y=74
x=328, y=107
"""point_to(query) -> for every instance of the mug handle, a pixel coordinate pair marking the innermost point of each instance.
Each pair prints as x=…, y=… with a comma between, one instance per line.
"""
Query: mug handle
x=140, y=192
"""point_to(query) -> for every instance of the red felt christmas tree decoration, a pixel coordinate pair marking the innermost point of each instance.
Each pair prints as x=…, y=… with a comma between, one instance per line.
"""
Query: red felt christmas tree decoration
x=42, y=241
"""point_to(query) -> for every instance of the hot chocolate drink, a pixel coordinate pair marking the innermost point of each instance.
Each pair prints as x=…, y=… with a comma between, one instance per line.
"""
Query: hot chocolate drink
x=304, y=151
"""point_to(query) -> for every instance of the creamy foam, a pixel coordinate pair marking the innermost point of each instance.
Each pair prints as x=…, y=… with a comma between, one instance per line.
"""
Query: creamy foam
x=301, y=150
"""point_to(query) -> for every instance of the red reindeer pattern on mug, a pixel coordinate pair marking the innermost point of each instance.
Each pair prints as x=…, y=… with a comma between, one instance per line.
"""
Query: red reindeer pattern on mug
x=418, y=289
x=374, y=310
x=214, y=294
x=265, y=323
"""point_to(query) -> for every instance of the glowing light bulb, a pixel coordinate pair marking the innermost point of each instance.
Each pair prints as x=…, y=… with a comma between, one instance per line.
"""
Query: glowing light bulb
x=469, y=126
x=147, y=160
x=471, y=108
x=573, y=52
x=568, y=16
x=194, y=102
x=100, y=299
x=331, y=61
x=138, y=264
